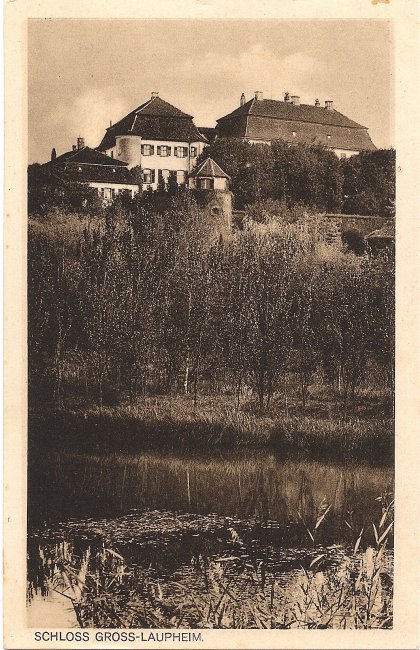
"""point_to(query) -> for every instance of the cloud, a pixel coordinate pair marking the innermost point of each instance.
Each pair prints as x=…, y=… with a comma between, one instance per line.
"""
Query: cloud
x=88, y=115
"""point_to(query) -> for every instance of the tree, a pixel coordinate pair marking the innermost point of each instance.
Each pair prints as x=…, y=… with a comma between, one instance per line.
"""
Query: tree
x=369, y=183
x=51, y=187
x=250, y=167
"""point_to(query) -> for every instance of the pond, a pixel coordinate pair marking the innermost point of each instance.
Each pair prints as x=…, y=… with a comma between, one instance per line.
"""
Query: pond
x=170, y=520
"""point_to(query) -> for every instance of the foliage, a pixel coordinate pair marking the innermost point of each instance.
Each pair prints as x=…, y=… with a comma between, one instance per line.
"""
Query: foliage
x=151, y=301
x=50, y=188
x=369, y=183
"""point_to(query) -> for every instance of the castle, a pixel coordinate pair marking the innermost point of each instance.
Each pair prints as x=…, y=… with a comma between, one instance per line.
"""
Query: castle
x=163, y=143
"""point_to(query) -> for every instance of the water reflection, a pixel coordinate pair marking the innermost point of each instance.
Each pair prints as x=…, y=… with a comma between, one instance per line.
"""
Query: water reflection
x=263, y=487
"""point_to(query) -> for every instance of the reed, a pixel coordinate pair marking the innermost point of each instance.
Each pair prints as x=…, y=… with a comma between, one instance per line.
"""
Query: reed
x=175, y=423
x=230, y=591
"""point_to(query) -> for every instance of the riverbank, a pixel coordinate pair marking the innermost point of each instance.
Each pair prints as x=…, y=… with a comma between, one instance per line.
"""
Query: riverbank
x=238, y=585
x=175, y=423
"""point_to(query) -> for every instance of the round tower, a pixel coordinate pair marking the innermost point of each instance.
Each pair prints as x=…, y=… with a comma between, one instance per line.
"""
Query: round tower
x=212, y=186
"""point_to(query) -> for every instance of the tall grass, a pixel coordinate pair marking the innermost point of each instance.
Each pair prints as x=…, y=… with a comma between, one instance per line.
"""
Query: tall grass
x=176, y=423
x=229, y=591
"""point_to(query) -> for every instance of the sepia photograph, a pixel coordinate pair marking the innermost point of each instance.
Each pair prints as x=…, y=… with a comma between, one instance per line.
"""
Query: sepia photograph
x=211, y=285
x=210, y=324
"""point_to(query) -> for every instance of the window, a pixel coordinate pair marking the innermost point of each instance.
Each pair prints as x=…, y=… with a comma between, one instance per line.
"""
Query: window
x=163, y=150
x=343, y=155
x=194, y=152
x=148, y=176
x=294, y=134
x=215, y=211
x=180, y=177
x=108, y=193
x=147, y=149
x=181, y=152
x=206, y=183
x=163, y=176
x=328, y=137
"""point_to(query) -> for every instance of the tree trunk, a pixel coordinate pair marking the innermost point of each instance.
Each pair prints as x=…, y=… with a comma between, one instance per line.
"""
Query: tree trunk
x=187, y=372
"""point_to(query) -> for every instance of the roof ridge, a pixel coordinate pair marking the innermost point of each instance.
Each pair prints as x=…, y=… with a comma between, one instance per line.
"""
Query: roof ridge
x=140, y=108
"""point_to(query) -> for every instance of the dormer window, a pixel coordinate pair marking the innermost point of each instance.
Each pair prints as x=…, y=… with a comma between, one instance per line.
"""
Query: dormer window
x=294, y=134
x=79, y=169
x=114, y=170
x=328, y=137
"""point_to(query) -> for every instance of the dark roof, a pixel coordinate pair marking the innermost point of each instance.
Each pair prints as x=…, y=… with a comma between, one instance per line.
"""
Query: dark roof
x=288, y=111
x=88, y=165
x=154, y=120
x=208, y=132
x=100, y=174
x=209, y=168
x=87, y=155
x=269, y=119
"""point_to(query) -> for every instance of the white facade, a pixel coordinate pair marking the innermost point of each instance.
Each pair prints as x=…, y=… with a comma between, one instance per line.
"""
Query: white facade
x=208, y=183
x=345, y=153
x=341, y=153
x=108, y=191
x=158, y=159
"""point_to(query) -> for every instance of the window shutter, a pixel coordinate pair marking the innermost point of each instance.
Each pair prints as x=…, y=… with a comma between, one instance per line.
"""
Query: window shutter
x=212, y=183
x=159, y=150
x=152, y=149
x=185, y=151
x=160, y=177
x=142, y=149
x=168, y=151
x=152, y=175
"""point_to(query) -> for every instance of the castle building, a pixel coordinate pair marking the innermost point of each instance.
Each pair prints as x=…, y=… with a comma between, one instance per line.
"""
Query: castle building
x=264, y=120
x=157, y=137
x=214, y=195
x=104, y=173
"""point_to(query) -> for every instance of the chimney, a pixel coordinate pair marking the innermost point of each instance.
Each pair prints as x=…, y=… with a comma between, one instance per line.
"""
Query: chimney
x=295, y=100
x=242, y=100
x=287, y=97
x=259, y=95
x=317, y=103
x=74, y=147
x=53, y=154
x=155, y=94
x=110, y=123
x=329, y=104
x=80, y=142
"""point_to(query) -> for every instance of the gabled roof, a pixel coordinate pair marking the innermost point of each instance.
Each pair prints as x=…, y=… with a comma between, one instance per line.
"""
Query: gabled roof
x=154, y=120
x=209, y=169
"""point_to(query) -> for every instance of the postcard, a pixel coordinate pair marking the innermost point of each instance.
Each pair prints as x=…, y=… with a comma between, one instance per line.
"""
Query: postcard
x=211, y=330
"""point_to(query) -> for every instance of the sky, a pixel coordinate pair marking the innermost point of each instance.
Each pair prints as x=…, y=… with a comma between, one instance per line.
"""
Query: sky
x=82, y=74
